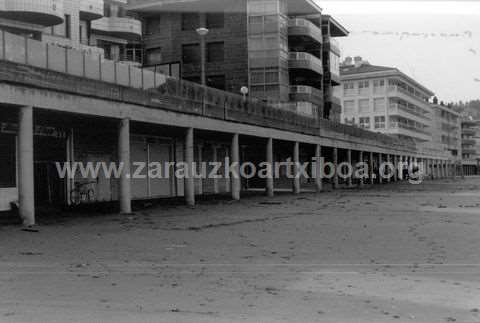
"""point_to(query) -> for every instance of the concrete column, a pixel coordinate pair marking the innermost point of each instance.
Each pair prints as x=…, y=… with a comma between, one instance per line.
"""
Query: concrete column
x=216, y=188
x=269, y=159
x=318, y=178
x=26, y=190
x=296, y=161
x=228, y=180
x=125, y=192
x=395, y=166
x=370, y=166
x=335, y=164
x=389, y=159
x=189, y=160
x=235, y=160
x=199, y=167
x=380, y=179
x=361, y=180
x=349, y=160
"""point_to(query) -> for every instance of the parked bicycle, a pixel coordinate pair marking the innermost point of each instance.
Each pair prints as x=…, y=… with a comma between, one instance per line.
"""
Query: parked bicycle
x=83, y=193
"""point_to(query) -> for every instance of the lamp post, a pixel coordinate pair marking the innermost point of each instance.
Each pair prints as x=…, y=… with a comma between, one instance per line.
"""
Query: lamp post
x=202, y=32
x=244, y=91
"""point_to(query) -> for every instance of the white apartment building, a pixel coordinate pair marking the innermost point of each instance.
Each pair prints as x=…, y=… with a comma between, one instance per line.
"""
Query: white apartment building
x=384, y=99
x=446, y=130
x=96, y=27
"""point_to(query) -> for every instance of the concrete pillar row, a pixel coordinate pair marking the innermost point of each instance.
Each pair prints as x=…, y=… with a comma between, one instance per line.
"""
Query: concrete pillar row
x=125, y=192
x=269, y=158
x=318, y=178
x=389, y=160
x=349, y=160
x=380, y=158
x=361, y=180
x=26, y=192
x=235, y=160
x=296, y=161
x=216, y=188
x=199, y=166
x=335, y=164
x=189, y=160
x=370, y=168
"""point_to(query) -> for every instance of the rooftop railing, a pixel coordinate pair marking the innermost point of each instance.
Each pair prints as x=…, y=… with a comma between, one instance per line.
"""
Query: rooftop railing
x=162, y=91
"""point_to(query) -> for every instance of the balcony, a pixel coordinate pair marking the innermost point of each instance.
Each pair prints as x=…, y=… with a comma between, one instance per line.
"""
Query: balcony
x=333, y=45
x=407, y=112
x=303, y=93
x=305, y=28
x=91, y=9
x=305, y=61
x=121, y=27
x=404, y=94
x=469, y=142
x=411, y=131
x=39, y=12
x=469, y=131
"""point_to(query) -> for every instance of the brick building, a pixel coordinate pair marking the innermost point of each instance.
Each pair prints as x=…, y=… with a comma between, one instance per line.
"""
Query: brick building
x=281, y=50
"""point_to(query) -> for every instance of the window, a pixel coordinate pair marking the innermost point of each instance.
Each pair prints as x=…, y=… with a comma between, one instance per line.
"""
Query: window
x=217, y=82
x=350, y=122
x=349, y=89
x=134, y=53
x=7, y=161
x=271, y=76
x=153, y=56
x=106, y=10
x=363, y=84
x=84, y=32
x=364, y=123
x=380, y=122
x=349, y=107
x=379, y=105
x=190, y=20
x=152, y=25
x=191, y=54
x=215, y=20
x=62, y=30
x=379, y=83
x=215, y=52
x=364, y=106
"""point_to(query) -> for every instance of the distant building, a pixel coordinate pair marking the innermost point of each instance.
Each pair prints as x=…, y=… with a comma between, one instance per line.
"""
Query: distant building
x=281, y=50
x=384, y=99
x=471, y=146
x=446, y=130
x=93, y=26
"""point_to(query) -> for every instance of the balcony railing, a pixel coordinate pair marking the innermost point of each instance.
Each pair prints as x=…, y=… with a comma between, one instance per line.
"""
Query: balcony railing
x=401, y=125
x=304, y=27
x=158, y=91
x=123, y=27
x=408, y=110
x=303, y=60
x=395, y=88
x=333, y=44
x=39, y=12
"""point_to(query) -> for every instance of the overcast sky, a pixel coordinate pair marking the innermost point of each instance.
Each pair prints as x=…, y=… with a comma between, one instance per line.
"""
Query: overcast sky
x=436, y=42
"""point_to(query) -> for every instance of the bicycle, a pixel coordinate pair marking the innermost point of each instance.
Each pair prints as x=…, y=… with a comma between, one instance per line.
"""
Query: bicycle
x=82, y=193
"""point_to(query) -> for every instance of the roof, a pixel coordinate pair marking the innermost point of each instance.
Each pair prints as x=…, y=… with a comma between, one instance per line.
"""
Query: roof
x=364, y=68
x=336, y=29
x=357, y=72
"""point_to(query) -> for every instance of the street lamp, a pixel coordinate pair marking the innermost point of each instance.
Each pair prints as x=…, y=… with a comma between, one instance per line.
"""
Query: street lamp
x=202, y=32
x=244, y=91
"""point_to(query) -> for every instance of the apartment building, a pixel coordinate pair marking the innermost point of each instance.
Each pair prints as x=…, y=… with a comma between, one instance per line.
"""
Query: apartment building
x=96, y=27
x=446, y=129
x=386, y=100
x=471, y=146
x=280, y=50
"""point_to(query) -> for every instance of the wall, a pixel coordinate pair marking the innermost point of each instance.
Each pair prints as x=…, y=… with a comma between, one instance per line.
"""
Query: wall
x=170, y=38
